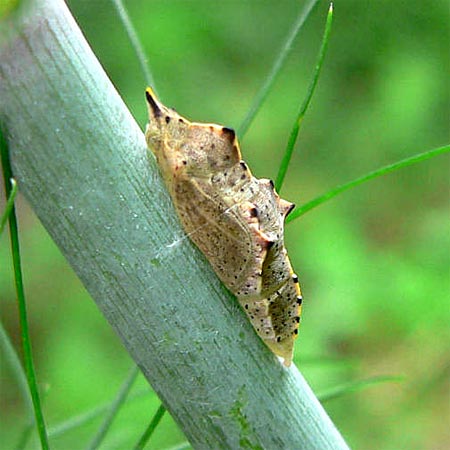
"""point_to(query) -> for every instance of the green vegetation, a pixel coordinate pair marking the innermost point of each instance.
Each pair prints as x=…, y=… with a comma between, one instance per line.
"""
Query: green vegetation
x=28, y=363
x=373, y=263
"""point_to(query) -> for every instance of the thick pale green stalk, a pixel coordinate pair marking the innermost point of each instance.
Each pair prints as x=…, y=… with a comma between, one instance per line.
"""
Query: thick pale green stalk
x=81, y=161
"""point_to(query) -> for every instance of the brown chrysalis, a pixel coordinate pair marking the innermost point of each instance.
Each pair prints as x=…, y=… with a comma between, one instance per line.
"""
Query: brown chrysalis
x=235, y=219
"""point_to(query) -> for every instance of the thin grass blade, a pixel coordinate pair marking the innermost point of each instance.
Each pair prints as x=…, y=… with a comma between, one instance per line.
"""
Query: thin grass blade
x=9, y=205
x=115, y=406
x=182, y=446
x=306, y=102
x=89, y=415
x=25, y=434
x=135, y=42
x=151, y=428
x=371, y=175
x=327, y=361
x=12, y=359
x=20, y=292
x=354, y=386
x=278, y=64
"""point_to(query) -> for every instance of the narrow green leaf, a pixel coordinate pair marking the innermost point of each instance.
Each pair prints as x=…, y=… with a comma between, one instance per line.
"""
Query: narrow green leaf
x=135, y=43
x=114, y=408
x=12, y=359
x=26, y=343
x=278, y=64
x=182, y=446
x=29, y=428
x=25, y=434
x=354, y=386
x=326, y=361
x=9, y=205
x=312, y=86
x=151, y=428
x=376, y=173
x=91, y=414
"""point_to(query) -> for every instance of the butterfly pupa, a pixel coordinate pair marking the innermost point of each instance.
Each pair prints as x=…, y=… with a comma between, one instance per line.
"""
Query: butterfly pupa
x=235, y=219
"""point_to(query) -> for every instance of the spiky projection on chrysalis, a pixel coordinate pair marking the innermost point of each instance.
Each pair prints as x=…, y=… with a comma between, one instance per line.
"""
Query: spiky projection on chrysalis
x=235, y=219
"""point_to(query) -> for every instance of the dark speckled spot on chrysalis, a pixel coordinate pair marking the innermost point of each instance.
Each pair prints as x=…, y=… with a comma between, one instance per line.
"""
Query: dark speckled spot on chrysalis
x=243, y=240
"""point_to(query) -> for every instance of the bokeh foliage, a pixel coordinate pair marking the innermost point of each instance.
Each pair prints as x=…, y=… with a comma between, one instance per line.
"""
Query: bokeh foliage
x=373, y=263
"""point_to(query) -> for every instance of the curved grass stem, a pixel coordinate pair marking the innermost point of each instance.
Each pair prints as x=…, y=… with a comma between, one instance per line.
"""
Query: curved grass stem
x=354, y=386
x=371, y=175
x=151, y=427
x=86, y=417
x=278, y=64
x=312, y=86
x=114, y=408
x=9, y=205
x=135, y=42
x=20, y=292
x=12, y=359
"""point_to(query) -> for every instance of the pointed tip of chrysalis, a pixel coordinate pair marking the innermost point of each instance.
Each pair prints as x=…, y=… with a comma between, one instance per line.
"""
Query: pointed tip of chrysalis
x=149, y=93
x=152, y=101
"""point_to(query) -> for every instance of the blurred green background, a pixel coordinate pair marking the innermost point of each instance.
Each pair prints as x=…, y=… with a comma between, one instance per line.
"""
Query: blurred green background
x=373, y=263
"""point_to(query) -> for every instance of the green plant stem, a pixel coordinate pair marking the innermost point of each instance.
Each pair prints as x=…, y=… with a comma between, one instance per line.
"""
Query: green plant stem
x=354, y=386
x=376, y=173
x=25, y=335
x=151, y=427
x=12, y=359
x=9, y=205
x=135, y=43
x=312, y=86
x=278, y=64
x=91, y=414
x=183, y=446
x=80, y=193
x=114, y=408
x=25, y=434
x=141, y=56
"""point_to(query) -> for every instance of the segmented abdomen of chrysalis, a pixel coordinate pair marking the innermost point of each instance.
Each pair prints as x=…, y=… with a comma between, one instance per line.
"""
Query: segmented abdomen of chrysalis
x=235, y=219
